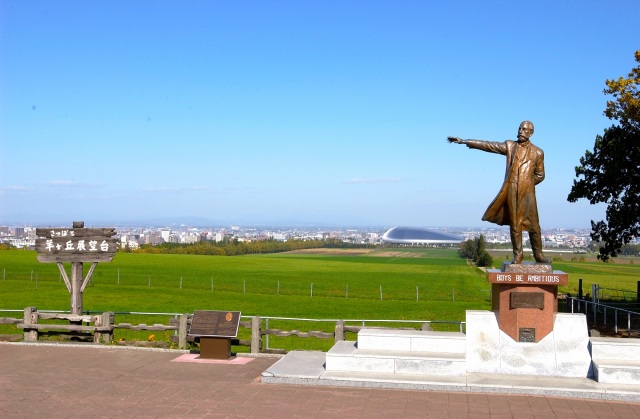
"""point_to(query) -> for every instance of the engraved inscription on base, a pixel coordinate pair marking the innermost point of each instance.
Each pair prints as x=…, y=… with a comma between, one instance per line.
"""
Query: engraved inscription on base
x=526, y=300
x=527, y=334
x=215, y=323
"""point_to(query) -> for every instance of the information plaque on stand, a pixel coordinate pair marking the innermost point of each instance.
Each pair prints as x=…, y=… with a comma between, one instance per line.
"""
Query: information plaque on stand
x=215, y=330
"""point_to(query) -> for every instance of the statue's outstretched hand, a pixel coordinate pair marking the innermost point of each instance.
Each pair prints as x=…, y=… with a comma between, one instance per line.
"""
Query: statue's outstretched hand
x=455, y=140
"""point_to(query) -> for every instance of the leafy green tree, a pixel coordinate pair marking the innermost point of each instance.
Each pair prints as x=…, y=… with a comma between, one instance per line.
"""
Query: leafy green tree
x=485, y=260
x=481, y=247
x=611, y=173
x=468, y=250
x=476, y=251
x=625, y=107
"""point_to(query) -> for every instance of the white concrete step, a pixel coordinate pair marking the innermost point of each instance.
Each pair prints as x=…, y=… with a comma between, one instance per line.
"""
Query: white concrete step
x=616, y=360
x=412, y=340
x=347, y=356
x=616, y=371
x=615, y=348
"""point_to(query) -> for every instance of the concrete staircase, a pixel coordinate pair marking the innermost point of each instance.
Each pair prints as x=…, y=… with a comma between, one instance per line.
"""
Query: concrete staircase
x=616, y=360
x=401, y=352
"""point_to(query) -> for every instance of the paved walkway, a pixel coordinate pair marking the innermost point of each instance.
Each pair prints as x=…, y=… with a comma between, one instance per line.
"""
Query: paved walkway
x=58, y=381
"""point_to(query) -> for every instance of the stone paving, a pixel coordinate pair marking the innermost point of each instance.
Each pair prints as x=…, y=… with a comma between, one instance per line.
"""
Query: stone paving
x=63, y=381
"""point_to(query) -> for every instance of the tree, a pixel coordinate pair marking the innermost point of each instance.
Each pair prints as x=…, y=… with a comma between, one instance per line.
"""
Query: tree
x=476, y=251
x=481, y=246
x=611, y=173
x=626, y=106
x=468, y=250
x=485, y=260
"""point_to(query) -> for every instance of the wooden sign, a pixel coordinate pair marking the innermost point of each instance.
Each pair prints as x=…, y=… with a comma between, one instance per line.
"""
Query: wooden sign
x=76, y=244
x=211, y=323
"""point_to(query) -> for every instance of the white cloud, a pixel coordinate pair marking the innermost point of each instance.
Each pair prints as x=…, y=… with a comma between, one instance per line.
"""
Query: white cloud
x=14, y=188
x=373, y=180
x=70, y=184
x=175, y=190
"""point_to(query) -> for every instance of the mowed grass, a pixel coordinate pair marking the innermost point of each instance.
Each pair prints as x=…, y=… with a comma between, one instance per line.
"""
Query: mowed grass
x=417, y=284
x=280, y=285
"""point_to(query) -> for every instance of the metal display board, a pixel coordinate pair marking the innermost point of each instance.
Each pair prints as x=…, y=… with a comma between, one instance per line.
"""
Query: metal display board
x=211, y=323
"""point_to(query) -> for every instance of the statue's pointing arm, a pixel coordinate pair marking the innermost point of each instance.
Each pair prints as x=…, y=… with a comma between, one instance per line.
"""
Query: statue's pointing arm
x=456, y=140
x=490, y=146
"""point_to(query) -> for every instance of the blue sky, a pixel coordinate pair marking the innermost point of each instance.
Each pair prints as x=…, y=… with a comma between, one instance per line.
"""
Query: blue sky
x=272, y=112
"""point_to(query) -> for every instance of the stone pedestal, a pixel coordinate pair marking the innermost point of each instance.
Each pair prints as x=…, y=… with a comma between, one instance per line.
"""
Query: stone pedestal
x=525, y=298
x=562, y=353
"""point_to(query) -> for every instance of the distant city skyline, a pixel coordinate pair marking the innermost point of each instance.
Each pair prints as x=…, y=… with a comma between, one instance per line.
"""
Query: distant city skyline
x=330, y=113
x=134, y=236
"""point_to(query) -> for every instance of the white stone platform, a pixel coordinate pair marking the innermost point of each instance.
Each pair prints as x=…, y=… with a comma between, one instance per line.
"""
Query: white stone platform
x=411, y=340
x=409, y=352
x=562, y=353
x=484, y=360
x=616, y=360
x=308, y=368
x=346, y=356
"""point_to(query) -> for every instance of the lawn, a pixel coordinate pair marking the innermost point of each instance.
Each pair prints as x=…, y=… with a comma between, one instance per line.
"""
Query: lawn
x=414, y=284
x=430, y=284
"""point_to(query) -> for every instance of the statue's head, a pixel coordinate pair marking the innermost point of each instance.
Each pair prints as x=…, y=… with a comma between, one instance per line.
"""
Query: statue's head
x=525, y=131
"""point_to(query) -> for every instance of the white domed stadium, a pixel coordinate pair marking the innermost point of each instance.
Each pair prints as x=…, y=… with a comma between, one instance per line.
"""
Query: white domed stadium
x=420, y=236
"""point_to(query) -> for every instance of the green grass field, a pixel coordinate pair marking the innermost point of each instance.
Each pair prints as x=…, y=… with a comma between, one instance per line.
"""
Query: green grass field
x=417, y=284
x=266, y=285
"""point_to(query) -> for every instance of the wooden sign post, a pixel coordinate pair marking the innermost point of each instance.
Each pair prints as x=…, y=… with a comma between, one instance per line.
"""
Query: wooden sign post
x=76, y=245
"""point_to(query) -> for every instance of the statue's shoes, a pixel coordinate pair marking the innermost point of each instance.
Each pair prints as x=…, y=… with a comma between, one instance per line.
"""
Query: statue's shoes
x=542, y=259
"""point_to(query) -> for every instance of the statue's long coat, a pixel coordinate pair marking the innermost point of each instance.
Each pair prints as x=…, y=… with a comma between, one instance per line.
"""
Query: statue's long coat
x=515, y=205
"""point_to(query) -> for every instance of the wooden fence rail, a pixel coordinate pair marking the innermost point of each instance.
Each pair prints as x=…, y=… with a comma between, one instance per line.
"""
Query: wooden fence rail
x=100, y=328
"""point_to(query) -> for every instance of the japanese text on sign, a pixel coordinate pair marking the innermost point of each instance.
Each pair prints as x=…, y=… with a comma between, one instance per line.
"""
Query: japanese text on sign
x=78, y=246
x=62, y=233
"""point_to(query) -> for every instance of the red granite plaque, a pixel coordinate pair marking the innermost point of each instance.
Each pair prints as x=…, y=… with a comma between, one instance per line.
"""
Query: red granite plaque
x=526, y=300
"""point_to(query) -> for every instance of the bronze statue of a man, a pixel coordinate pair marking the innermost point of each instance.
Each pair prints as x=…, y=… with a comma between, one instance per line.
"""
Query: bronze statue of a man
x=515, y=205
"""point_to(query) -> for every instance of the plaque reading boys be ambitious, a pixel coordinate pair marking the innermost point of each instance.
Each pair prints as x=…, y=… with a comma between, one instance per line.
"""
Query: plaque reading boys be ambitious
x=223, y=324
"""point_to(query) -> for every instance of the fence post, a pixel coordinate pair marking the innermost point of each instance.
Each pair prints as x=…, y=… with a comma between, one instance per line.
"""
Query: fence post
x=103, y=320
x=255, y=335
x=97, y=335
x=580, y=289
x=108, y=318
x=30, y=317
x=182, y=331
x=339, y=334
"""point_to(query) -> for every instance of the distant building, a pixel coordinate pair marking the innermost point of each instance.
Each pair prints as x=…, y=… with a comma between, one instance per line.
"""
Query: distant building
x=420, y=236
